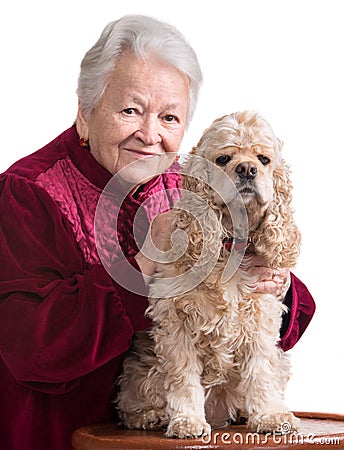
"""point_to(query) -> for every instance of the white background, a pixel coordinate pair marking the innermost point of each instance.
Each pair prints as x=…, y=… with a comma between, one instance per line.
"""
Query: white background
x=282, y=58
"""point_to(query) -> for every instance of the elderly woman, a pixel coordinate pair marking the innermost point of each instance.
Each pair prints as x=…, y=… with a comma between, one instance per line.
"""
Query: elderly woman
x=65, y=323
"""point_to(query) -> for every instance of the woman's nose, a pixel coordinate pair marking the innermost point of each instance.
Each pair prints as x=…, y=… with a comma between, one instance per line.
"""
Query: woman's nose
x=149, y=131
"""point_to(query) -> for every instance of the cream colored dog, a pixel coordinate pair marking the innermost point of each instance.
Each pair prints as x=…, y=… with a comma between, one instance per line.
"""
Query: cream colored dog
x=212, y=354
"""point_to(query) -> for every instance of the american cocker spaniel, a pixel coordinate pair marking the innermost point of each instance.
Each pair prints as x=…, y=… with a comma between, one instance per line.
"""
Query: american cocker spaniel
x=212, y=355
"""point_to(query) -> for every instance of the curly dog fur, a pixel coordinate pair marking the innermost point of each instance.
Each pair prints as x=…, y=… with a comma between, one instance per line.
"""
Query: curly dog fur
x=212, y=354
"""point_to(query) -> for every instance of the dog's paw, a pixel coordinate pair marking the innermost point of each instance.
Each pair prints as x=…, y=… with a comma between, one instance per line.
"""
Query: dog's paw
x=153, y=419
x=187, y=427
x=278, y=423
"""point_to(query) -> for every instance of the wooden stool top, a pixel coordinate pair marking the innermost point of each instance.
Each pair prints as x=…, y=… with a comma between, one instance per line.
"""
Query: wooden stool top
x=316, y=429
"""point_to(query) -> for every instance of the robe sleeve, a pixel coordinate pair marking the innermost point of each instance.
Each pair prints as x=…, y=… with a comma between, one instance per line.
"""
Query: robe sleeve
x=301, y=310
x=59, y=318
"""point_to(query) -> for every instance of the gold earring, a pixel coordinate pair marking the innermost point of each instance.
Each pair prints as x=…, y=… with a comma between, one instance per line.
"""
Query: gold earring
x=84, y=142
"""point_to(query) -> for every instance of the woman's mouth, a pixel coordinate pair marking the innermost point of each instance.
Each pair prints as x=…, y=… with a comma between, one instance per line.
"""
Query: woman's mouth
x=139, y=154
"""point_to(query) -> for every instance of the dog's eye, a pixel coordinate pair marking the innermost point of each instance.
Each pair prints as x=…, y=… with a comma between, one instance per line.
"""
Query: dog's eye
x=264, y=160
x=223, y=160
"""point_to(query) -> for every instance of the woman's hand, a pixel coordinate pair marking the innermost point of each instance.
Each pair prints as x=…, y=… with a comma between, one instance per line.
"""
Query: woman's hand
x=270, y=281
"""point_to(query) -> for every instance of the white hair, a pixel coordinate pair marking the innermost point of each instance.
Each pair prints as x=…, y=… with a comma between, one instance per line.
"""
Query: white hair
x=143, y=36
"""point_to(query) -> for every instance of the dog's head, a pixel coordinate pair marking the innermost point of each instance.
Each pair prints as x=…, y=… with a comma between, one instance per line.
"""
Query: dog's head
x=243, y=146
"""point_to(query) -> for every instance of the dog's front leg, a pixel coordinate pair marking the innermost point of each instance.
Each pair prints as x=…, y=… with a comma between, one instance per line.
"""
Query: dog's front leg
x=184, y=392
x=264, y=368
x=264, y=399
x=185, y=406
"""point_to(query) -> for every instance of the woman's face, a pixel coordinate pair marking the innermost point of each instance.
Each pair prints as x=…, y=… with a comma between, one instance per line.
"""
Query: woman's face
x=141, y=117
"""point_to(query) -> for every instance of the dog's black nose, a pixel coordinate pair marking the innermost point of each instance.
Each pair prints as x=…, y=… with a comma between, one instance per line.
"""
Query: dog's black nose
x=246, y=170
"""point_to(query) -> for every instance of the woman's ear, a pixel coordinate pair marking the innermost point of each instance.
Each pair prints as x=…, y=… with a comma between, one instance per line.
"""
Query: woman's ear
x=82, y=124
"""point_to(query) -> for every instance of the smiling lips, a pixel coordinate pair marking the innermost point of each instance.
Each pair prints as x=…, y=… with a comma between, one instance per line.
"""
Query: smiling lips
x=141, y=154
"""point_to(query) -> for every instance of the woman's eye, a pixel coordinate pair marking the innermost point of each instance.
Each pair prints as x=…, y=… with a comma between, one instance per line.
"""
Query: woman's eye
x=129, y=111
x=223, y=160
x=264, y=160
x=170, y=118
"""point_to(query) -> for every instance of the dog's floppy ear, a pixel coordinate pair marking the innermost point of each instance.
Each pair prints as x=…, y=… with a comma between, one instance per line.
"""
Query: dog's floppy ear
x=197, y=169
x=278, y=239
x=197, y=216
x=196, y=174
